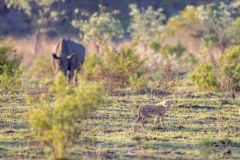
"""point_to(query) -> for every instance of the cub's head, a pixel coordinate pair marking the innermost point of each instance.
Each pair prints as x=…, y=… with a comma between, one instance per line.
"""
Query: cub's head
x=166, y=103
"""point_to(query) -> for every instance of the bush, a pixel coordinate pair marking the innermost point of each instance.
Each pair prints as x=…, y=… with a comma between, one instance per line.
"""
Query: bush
x=56, y=125
x=155, y=46
x=92, y=67
x=147, y=24
x=168, y=82
x=204, y=78
x=163, y=80
x=9, y=68
x=229, y=65
x=176, y=50
x=40, y=68
x=122, y=68
x=226, y=75
x=100, y=27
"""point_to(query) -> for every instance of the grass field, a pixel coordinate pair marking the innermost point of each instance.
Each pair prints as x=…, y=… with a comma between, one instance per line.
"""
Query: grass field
x=198, y=126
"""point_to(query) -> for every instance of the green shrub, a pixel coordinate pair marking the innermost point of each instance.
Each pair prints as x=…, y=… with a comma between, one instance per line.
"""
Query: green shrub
x=204, y=78
x=55, y=125
x=147, y=24
x=226, y=75
x=137, y=82
x=101, y=27
x=229, y=65
x=92, y=67
x=155, y=46
x=168, y=80
x=122, y=68
x=119, y=68
x=40, y=68
x=9, y=68
x=177, y=50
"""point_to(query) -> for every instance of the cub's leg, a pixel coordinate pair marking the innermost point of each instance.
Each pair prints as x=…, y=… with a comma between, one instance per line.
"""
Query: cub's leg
x=142, y=124
x=134, y=127
x=156, y=119
x=139, y=114
x=144, y=115
x=162, y=121
x=140, y=118
x=144, y=119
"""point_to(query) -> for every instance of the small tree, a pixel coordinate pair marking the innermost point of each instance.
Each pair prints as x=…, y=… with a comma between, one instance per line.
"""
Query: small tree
x=168, y=81
x=216, y=22
x=119, y=68
x=92, y=67
x=40, y=68
x=213, y=25
x=204, y=78
x=41, y=20
x=56, y=125
x=9, y=67
x=146, y=24
x=176, y=50
x=20, y=4
x=229, y=65
x=100, y=27
x=122, y=67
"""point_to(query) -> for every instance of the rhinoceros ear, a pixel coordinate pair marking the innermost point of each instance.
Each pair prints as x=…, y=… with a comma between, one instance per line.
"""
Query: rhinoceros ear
x=55, y=56
x=70, y=56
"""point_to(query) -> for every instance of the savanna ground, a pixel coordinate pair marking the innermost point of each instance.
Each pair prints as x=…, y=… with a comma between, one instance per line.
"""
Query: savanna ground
x=198, y=126
x=199, y=38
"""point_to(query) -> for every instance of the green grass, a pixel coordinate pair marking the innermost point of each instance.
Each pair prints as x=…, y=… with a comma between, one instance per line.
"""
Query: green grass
x=198, y=126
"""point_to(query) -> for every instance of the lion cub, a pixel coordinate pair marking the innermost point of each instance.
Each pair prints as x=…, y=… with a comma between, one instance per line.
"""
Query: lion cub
x=149, y=109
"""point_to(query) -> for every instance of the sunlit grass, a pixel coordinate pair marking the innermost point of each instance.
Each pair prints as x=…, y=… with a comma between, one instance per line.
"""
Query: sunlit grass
x=192, y=126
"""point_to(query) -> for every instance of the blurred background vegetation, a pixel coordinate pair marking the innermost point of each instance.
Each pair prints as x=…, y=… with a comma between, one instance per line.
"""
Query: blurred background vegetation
x=163, y=48
x=198, y=37
x=56, y=15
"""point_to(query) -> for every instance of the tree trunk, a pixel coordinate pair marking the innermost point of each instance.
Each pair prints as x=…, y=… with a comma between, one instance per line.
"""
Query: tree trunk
x=37, y=43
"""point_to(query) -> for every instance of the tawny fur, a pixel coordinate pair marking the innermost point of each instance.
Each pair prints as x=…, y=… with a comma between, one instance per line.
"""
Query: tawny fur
x=148, y=109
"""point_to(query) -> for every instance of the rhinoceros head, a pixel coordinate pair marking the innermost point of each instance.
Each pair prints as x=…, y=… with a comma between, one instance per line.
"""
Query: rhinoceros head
x=63, y=63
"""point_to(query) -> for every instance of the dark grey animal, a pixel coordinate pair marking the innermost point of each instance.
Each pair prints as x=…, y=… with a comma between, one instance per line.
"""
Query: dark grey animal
x=68, y=57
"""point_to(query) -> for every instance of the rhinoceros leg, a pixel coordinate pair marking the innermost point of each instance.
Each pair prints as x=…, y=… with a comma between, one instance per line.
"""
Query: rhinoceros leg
x=71, y=75
x=74, y=80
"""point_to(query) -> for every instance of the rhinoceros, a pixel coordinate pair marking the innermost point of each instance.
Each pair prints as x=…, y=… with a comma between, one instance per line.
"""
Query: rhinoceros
x=68, y=57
